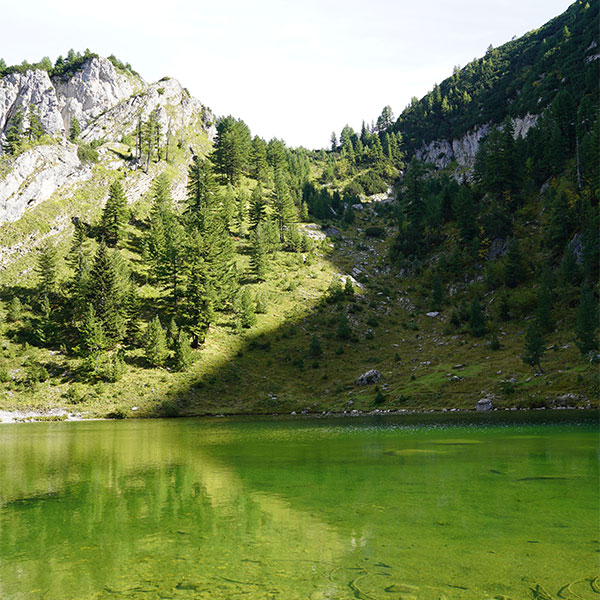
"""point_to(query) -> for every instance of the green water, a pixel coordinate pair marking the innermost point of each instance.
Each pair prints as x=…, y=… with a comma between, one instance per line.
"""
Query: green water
x=421, y=508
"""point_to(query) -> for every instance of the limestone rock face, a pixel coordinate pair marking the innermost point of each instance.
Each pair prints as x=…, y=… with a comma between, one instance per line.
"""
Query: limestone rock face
x=171, y=103
x=19, y=90
x=35, y=175
x=463, y=150
x=94, y=89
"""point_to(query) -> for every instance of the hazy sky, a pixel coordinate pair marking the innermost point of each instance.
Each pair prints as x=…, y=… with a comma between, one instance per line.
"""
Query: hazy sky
x=293, y=70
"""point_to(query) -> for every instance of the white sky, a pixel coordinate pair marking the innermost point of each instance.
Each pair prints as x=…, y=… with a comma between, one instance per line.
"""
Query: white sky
x=294, y=70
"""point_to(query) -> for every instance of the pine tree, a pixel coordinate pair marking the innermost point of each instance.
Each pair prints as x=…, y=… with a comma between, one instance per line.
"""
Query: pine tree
x=242, y=212
x=155, y=343
x=586, y=322
x=534, y=346
x=228, y=206
x=258, y=160
x=114, y=215
x=476, y=318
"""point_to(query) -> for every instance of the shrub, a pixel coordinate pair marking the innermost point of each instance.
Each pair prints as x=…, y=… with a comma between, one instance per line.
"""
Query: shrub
x=375, y=232
x=87, y=153
x=118, y=413
x=170, y=409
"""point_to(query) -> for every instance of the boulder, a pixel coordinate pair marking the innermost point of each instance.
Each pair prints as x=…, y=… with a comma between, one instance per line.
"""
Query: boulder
x=369, y=377
x=484, y=404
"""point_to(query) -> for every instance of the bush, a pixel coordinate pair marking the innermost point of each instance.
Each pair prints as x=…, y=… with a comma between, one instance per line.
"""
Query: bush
x=118, y=413
x=371, y=183
x=86, y=153
x=375, y=232
x=379, y=396
x=314, y=349
x=170, y=409
x=354, y=189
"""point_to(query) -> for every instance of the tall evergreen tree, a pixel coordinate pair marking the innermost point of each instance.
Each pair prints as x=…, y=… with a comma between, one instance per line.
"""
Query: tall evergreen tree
x=514, y=269
x=476, y=318
x=74, y=129
x=114, y=215
x=14, y=133
x=35, y=129
x=586, y=322
x=534, y=346
x=46, y=270
x=258, y=257
x=155, y=343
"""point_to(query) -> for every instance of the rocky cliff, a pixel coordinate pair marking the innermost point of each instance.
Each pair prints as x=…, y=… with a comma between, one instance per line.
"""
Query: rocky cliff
x=463, y=150
x=108, y=104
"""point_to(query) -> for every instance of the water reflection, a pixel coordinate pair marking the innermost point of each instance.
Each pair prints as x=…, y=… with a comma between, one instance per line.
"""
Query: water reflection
x=246, y=509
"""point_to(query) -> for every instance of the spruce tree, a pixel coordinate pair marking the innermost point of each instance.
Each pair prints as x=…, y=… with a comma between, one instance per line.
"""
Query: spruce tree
x=15, y=309
x=586, y=322
x=284, y=209
x=114, y=215
x=155, y=343
x=534, y=346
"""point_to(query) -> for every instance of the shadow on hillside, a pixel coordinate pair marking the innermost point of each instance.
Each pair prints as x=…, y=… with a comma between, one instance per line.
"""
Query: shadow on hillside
x=282, y=369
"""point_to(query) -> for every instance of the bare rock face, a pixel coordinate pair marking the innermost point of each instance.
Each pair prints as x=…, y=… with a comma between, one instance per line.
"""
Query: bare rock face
x=19, y=90
x=172, y=105
x=35, y=175
x=94, y=89
x=463, y=150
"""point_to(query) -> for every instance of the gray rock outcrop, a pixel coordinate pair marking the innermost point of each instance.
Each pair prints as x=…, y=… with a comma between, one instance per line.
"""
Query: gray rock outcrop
x=484, y=405
x=463, y=150
x=36, y=174
x=369, y=377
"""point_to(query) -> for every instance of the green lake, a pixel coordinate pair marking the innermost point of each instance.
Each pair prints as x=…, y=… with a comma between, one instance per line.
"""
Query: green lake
x=453, y=506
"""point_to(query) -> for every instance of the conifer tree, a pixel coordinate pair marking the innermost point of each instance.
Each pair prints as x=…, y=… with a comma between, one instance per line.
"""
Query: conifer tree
x=15, y=309
x=543, y=313
x=14, y=133
x=586, y=322
x=198, y=309
x=514, y=270
x=184, y=355
x=105, y=293
x=258, y=207
x=534, y=346
x=91, y=333
x=155, y=343
x=258, y=257
x=258, y=159
x=245, y=309
x=476, y=318
x=114, y=215
x=74, y=129
x=35, y=129
x=242, y=212
x=285, y=211
x=437, y=293
x=314, y=348
x=228, y=206
x=46, y=269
